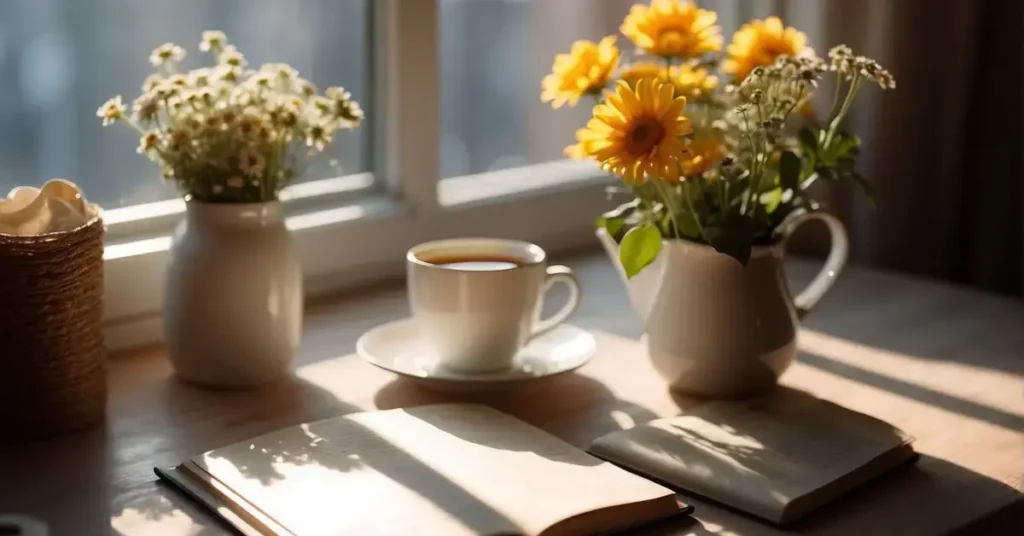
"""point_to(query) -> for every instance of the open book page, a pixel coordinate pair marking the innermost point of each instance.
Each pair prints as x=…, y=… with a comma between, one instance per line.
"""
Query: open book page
x=756, y=455
x=444, y=469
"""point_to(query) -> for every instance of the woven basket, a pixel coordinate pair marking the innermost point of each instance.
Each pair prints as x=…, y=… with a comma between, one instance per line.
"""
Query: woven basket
x=52, y=358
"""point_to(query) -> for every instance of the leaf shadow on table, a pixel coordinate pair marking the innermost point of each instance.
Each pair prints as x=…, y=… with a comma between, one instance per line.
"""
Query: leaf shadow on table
x=193, y=419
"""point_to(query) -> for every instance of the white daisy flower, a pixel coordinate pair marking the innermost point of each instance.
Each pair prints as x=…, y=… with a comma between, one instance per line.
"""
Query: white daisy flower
x=337, y=93
x=318, y=137
x=252, y=163
x=152, y=81
x=227, y=73
x=350, y=113
x=260, y=79
x=305, y=87
x=280, y=70
x=212, y=40
x=167, y=52
x=249, y=124
x=200, y=77
x=145, y=107
x=178, y=80
x=111, y=111
x=231, y=56
x=322, y=104
x=343, y=107
x=148, y=142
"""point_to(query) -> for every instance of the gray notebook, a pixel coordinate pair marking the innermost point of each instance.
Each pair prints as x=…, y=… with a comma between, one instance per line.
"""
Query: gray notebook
x=778, y=457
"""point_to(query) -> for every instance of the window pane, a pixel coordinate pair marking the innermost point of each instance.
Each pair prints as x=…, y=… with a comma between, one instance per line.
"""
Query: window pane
x=61, y=59
x=493, y=56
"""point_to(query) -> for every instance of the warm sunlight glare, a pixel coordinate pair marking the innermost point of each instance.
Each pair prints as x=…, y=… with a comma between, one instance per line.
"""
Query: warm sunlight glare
x=326, y=217
x=137, y=247
x=946, y=376
x=133, y=522
x=622, y=419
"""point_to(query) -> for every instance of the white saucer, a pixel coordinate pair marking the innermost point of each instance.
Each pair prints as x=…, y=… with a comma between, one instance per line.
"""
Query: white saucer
x=397, y=347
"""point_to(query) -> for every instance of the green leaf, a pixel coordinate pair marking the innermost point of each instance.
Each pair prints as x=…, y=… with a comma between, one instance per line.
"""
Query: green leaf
x=688, y=225
x=612, y=225
x=842, y=146
x=734, y=237
x=639, y=248
x=771, y=200
x=866, y=188
x=614, y=220
x=789, y=170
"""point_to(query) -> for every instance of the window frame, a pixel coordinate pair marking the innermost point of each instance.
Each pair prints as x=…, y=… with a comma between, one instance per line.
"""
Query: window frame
x=371, y=219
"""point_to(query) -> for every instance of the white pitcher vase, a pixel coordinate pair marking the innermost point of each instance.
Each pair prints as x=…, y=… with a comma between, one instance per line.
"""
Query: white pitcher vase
x=233, y=300
x=716, y=328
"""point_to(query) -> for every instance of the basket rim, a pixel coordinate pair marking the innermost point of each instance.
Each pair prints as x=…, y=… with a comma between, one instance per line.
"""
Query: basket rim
x=97, y=217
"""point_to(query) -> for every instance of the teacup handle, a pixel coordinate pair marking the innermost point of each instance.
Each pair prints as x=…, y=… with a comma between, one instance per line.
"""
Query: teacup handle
x=837, y=256
x=557, y=274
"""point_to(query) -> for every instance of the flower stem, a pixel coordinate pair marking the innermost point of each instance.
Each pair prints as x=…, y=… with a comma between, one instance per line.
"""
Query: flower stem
x=666, y=198
x=693, y=212
x=847, y=102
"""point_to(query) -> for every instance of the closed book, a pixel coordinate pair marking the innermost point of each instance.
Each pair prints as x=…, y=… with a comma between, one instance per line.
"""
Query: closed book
x=778, y=457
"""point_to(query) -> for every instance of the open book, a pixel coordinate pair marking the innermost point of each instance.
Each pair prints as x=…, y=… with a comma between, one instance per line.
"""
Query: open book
x=777, y=457
x=444, y=469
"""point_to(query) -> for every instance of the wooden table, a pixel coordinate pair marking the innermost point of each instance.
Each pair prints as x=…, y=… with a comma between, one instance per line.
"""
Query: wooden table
x=944, y=364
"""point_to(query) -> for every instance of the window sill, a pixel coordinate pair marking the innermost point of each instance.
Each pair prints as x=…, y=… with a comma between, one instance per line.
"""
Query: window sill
x=553, y=205
x=505, y=185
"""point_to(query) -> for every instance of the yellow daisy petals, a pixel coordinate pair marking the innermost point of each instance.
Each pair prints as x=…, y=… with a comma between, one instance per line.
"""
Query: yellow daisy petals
x=760, y=42
x=636, y=133
x=705, y=150
x=585, y=69
x=688, y=79
x=673, y=28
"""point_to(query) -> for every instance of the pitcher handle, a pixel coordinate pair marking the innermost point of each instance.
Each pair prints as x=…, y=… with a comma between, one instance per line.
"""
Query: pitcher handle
x=834, y=264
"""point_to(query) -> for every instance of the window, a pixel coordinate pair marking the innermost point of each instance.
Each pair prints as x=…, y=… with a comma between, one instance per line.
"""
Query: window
x=455, y=143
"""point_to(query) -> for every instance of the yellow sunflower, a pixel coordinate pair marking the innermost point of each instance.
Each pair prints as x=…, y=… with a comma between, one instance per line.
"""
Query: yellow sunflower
x=692, y=81
x=576, y=151
x=636, y=134
x=585, y=69
x=688, y=80
x=673, y=28
x=706, y=150
x=648, y=70
x=759, y=42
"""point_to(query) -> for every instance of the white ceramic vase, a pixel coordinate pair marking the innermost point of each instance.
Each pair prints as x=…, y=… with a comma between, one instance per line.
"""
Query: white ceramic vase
x=233, y=300
x=716, y=328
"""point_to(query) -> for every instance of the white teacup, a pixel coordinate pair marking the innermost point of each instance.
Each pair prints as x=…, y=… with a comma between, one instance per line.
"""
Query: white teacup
x=477, y=301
